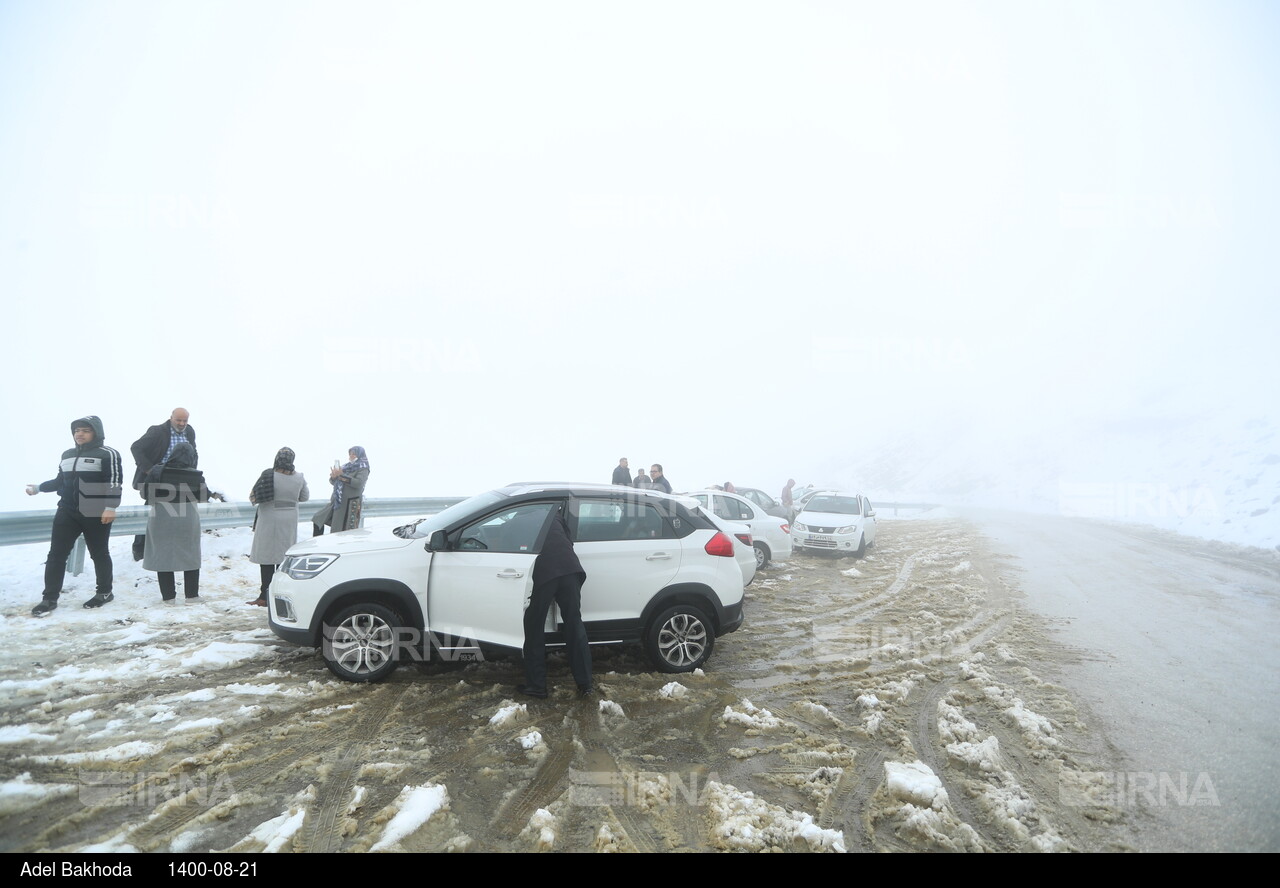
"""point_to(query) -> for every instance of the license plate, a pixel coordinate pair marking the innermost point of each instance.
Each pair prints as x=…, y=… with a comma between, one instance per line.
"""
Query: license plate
x=822, y=538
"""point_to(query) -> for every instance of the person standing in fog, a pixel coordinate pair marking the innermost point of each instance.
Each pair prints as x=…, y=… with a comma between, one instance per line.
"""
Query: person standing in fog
x=557, y=576
x=658, y=481
x=89, y=483
x=172, y=489
x=153, y=448
x=621, y=473
x=788, y=499
x=642, y=480
x=276, y=493
x=348, y=480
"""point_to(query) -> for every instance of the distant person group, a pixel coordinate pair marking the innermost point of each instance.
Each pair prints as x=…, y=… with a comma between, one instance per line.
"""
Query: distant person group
x=655, y=479
x=90, y=486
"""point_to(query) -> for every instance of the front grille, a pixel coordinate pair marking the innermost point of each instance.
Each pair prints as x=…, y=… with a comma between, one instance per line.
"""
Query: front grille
x=822, y=529
x=823, y=544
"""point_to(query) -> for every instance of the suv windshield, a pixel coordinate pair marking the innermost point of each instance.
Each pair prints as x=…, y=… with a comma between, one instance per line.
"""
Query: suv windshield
x=837, y=505
x=424, y=527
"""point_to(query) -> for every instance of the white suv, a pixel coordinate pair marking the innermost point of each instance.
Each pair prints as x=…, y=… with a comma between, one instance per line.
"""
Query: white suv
x=456, y=584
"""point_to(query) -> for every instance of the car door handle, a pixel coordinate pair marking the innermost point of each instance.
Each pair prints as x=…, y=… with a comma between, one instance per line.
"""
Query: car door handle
x=510, y=574
x=657, y=556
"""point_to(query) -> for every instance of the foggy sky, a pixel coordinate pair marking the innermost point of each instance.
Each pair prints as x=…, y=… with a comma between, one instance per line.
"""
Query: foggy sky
x=502, y=241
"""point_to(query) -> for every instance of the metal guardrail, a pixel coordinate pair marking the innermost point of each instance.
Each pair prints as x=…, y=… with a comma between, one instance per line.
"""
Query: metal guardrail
x=20, y=528
x=915, y=507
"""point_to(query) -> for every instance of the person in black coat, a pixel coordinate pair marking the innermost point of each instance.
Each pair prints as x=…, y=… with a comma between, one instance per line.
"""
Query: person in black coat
x=622, y=473
x=659, y=478
x=557, y=576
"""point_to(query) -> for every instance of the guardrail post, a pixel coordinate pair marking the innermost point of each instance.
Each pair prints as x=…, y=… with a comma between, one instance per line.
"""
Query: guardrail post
x=75, y=561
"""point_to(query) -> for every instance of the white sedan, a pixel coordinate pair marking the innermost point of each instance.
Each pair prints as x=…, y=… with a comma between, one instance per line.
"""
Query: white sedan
x=770, y=535
x=836, y=521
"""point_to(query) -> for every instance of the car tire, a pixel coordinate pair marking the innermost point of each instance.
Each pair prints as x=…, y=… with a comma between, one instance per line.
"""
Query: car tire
x=762, y=555
x=862, y=547
x=679, y=639
x=360, y=643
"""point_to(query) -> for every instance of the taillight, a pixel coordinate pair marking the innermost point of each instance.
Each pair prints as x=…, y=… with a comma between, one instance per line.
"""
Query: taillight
x=786, y=528
x=745, y=537
x=719, y=545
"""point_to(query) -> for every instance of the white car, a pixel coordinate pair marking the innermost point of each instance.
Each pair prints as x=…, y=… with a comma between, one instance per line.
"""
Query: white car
x=771, y=535
x=836, y=521
x=457, y=583
x=764, y=501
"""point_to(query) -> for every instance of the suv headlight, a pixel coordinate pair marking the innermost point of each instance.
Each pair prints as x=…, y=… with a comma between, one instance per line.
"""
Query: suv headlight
x=850, y=529
x=798, y=527
x=304, y=567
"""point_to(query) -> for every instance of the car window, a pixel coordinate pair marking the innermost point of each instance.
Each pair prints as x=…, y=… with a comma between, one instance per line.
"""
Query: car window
x=511, y=530
x=731, y=509
x=720, y=506
x=760, y=498
x=598, y=520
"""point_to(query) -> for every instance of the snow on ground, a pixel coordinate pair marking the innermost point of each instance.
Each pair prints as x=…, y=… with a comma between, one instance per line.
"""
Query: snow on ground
x=414, y=807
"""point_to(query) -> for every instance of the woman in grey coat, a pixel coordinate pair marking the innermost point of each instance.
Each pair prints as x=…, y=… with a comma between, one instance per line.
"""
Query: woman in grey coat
x=276, y=493
x=173, y=489
x=343, y=510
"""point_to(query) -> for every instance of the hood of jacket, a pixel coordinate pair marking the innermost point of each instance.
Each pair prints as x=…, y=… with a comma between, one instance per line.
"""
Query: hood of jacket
x=95, y=423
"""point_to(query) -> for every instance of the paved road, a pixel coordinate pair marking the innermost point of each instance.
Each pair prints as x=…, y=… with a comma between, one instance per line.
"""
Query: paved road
x=1180, y=668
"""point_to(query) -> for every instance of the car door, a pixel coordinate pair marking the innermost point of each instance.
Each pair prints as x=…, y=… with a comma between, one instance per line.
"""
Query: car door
x=481, y=584
x=869, y=520
x=629, y=552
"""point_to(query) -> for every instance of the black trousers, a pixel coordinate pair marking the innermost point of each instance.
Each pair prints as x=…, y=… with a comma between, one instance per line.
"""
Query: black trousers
x=565, y=591
x=169, y=584
x=68, y=525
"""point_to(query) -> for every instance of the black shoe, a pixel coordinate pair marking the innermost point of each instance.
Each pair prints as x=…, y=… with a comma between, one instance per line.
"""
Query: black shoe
x=540, y=693
x=100, y=599
x=45, y=607
x=585, y=690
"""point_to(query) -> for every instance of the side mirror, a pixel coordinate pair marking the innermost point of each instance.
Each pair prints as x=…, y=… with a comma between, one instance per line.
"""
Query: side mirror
x=436, y=542
x=871, y=513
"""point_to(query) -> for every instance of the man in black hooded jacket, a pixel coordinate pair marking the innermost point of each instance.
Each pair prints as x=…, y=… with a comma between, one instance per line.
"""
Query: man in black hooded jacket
x=89, y=485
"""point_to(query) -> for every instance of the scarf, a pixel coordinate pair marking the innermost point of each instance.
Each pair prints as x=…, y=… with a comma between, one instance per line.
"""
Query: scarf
x=348, y=469
x=183, y=456
x=264, y=489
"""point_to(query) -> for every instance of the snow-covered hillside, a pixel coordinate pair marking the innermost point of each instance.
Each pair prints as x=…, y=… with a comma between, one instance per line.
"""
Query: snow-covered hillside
x=1214, y=475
